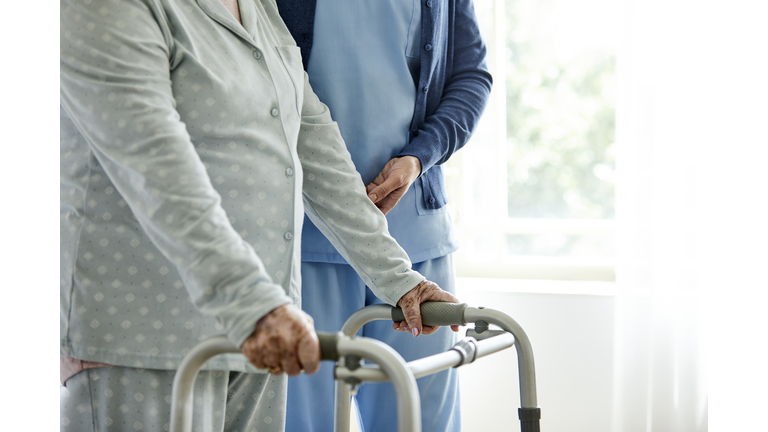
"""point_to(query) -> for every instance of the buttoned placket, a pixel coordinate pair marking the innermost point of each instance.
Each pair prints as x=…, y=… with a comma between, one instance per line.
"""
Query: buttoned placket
x=275, y=113
x=259, y=56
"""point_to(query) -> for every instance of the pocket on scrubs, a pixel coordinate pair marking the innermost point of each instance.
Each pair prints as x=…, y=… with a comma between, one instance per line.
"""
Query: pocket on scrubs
x=421, y=209
x=413, y=42
x=291, y=57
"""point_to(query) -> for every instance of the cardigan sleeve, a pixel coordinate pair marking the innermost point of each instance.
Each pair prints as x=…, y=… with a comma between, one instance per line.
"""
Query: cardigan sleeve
x=463, y=97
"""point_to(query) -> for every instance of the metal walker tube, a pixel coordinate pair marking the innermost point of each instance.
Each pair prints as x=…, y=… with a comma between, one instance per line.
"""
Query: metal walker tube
x=184, y=381
x=529, y=412
x=525, y=364
x=396, y=369
x=428, y=365
x=391, y=364
x=343, y=395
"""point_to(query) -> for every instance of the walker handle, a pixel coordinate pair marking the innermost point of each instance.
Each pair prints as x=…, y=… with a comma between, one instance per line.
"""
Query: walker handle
x=329, y=345
x=436, y=314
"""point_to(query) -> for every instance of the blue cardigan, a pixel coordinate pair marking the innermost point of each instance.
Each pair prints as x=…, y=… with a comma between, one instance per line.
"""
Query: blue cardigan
x=454, y=82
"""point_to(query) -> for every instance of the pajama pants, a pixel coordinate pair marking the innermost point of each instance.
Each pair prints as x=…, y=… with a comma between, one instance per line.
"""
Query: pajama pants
x=330, y=294
x=128, y=399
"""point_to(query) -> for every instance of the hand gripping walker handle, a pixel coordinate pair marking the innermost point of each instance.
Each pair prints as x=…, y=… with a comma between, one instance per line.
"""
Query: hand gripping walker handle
x=436, y=314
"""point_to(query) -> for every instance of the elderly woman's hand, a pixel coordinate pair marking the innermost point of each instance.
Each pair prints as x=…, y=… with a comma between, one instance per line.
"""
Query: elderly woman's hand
x=410, y=303
x=284, y=341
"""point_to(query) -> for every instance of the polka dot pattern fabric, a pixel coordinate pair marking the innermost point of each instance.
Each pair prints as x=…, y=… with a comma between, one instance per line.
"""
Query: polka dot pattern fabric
x=128, y=399
x=190, y=145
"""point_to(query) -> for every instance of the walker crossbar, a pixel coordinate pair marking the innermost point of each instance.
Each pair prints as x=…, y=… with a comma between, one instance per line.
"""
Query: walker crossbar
x=428, y=365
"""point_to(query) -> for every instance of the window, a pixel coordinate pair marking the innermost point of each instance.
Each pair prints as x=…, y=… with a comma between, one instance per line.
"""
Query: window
x=533, y=192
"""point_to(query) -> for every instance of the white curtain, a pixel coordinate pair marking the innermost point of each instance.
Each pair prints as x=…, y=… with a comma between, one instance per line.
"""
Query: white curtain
x=692, y=183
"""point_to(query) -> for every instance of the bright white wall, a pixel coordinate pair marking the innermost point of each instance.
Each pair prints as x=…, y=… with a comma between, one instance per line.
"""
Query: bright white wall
x=572, y=338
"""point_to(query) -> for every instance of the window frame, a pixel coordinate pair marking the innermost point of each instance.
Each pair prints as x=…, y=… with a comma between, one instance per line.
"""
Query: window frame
x=460, y=171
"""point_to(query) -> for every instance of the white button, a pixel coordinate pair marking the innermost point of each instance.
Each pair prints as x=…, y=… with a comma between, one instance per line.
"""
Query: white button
x=289, y=172
x=275, y=112
x=257, y=54
x=288, y=235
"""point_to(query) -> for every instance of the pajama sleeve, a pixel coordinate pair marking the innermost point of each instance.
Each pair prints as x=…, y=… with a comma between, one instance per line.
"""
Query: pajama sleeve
x=336, y=201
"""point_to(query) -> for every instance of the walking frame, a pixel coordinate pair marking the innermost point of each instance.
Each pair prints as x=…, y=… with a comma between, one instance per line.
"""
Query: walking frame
x=347, y=351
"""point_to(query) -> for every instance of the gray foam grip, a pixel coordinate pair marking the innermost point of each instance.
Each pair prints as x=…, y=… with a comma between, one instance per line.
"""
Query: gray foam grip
x=328, y=345
x=436, y=314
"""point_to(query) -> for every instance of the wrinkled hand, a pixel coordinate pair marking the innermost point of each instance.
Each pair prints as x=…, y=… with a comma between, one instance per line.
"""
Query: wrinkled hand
x=393, y=182
x=284, y=341
x=410, y=302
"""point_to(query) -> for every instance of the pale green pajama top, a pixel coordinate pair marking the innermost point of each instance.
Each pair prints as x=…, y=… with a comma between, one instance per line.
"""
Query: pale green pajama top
x=188, y=143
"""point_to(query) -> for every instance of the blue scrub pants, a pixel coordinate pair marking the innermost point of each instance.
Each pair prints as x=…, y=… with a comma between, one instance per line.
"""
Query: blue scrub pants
x=330, y=294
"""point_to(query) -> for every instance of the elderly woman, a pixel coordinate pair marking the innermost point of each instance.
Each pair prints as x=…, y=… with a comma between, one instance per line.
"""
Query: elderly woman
x=191, y=146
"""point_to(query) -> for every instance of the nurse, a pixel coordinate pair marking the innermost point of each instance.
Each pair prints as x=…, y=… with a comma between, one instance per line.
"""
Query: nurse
x=407, y=82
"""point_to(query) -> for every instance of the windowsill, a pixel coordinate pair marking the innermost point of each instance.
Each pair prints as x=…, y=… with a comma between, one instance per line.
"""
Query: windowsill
x=548, y=269
x=528, y=286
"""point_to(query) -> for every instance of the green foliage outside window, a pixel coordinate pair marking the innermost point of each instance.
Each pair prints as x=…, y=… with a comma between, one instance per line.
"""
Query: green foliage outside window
x=560, y=114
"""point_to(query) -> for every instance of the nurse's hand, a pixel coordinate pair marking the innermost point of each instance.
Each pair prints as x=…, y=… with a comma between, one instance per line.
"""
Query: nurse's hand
x=284, y=341
x=393, y=182
x=410, y=303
